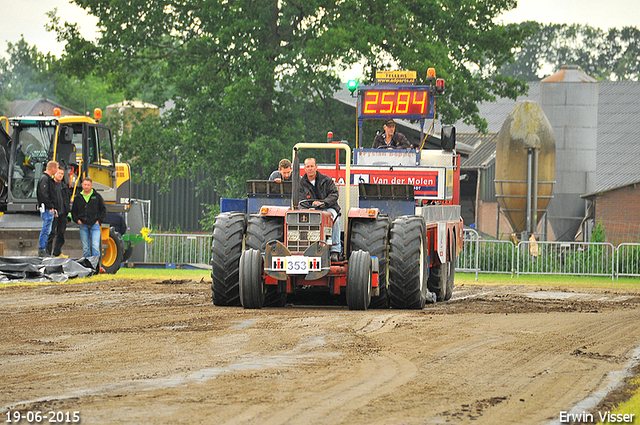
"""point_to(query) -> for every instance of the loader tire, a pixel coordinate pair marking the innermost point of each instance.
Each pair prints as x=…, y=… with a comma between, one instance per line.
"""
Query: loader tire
x=112, y=257
x=128, y=252
x=373, y=236
x=408, y=263
x=226, y=249
x=261, y=230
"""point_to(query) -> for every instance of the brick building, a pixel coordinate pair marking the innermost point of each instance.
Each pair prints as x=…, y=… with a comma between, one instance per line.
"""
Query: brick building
x=618, y=209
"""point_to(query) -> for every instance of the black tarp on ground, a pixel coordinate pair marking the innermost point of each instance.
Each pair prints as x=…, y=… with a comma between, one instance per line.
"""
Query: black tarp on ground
x=51, y=269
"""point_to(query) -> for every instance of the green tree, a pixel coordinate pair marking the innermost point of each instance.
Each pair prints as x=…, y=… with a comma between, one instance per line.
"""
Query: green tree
x=29, y=74
x=25, y=74
x=599, y=234
x=607, y=55
x=247, y=79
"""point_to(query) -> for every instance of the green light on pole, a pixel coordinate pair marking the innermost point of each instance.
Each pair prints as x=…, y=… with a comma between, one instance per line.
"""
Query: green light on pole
x=352, y=85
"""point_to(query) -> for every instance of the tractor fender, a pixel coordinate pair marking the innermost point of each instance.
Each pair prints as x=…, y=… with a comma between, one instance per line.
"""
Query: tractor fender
x=364, y=212
x=273, y=211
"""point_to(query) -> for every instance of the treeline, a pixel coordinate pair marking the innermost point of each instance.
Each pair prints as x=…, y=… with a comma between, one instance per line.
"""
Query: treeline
x=243, y=81
x=612, y=54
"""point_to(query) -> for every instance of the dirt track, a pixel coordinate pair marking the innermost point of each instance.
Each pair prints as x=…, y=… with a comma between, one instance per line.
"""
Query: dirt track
x=160, y=352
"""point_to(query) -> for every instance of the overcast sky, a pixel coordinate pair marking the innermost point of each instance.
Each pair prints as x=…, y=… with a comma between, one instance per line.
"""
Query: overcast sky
x=27, y=17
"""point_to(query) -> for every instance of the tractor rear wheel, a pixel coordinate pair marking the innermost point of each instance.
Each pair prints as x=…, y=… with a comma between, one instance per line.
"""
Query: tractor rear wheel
x=441, y=279
x=452, y=276
x=226, y=249
x=373, y=236
x=359, y=281
x=438, y=278
x=261, y=230
x=112, y=257
x=408, y=263
x=252, y=289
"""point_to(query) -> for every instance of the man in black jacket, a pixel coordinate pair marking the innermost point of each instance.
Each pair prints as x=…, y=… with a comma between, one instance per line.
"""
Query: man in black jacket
x=46, y=205
x=59, y=226
x=324, y=193
x=89, y=210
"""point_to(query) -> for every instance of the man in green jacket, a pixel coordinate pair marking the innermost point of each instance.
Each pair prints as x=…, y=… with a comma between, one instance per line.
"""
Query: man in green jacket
x=89, y=210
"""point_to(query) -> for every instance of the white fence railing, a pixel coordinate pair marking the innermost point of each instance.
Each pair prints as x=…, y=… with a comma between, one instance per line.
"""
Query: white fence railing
x=468, y=258
x=179, y=249
x=628, y=259
x=485, y=256
x=560, y=258
x=477, y=256
x=568, y=258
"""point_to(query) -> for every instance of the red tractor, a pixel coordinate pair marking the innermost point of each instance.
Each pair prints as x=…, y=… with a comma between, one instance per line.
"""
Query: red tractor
x=402, y=229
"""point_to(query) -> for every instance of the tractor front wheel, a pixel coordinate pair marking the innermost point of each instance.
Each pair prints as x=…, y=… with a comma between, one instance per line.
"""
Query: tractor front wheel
x=438, y=278
x=359, y=281
x=260, y=231
x=373, y=236
x=251, y=284
x=441, y=279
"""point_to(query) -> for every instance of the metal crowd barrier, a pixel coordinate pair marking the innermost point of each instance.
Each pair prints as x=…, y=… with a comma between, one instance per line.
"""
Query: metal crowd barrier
x=477, y=256
x=628, y=259
x=566, y=258
x=485, y=255
x=179, y=249
x=468, y=258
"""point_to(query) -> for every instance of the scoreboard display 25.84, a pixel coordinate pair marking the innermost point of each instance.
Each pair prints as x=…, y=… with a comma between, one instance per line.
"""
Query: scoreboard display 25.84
x=413, y=102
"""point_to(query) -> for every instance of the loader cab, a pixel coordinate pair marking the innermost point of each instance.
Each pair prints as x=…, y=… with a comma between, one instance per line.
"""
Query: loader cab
x=29, y=152
x=81, y=146
x=87, y=149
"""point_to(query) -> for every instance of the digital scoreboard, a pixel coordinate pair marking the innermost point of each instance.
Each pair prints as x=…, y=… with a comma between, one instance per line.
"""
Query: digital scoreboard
x=413, y=102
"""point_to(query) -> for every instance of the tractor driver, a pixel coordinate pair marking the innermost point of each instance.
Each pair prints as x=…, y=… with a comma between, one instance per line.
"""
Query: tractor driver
x=321, y=188
x=390, y=139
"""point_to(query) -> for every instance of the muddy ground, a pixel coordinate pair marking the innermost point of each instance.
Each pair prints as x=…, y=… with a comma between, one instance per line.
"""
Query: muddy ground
x=160, y=352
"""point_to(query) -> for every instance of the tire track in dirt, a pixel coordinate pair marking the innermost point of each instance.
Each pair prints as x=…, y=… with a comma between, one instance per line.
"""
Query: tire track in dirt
x=348, y=383
x=303, y=353
x=376, y=324
x=145, y=353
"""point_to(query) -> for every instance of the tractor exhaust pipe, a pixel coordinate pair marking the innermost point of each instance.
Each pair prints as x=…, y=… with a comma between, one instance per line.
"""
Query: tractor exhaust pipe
x=295, y=179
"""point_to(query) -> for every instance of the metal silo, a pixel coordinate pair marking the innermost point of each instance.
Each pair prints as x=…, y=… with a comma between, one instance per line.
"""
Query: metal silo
x=525, y=166
x=569, y=99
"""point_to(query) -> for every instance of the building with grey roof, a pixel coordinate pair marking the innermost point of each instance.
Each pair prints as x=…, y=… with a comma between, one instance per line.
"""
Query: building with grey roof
x=618, y=155
x=618, y=145
x=40, y=106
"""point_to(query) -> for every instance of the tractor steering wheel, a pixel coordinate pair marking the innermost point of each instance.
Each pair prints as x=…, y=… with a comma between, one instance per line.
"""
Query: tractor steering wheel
x=308, y=204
